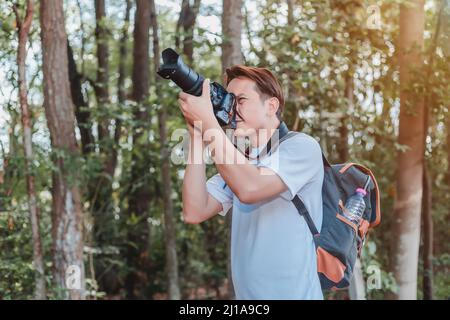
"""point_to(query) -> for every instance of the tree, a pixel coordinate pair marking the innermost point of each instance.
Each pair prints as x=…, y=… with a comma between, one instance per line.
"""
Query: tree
x=231, y=30
x=82, y=114
x=101, y=185
x=427, y=219
x=169, y=223
x=231, y=55
x=448, y=150
x=67, y=216
x=407, y=208
x=139, y=196
x=186, y=21
x=292, y=96
x=23, y=28
x=102, y=88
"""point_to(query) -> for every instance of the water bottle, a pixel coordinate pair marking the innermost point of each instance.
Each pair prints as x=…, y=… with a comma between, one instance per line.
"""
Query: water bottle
x=355, y=205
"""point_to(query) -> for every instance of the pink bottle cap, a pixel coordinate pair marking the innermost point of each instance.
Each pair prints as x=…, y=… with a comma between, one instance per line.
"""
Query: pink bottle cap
x=362, y=191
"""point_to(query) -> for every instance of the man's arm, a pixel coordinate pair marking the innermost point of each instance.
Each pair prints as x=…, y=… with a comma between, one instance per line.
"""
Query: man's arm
x=244, y=179
x=198, y=204
x=248, y=182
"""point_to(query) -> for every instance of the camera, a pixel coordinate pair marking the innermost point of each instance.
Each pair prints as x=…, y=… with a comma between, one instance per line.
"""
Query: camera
x=223, y=102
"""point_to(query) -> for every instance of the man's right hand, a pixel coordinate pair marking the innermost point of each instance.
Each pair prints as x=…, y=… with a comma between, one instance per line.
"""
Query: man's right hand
x=194, y=132
x=190, y=127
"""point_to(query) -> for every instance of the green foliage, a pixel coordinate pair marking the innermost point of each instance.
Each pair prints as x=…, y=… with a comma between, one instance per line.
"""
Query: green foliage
x=336, y=72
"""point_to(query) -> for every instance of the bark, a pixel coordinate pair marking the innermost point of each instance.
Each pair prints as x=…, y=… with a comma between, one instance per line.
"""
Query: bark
x=293, y=97
x=82, y=114
x=186, y=22
x=448, y=150
x=110, y=280
x=232, y=20
x=427, y=219
x=407, y=207
x=231, y=30
x=342, y=146
x=67, y=217
x=357, y=290
x=121, y=92
x=101, y=88
x=290, y=17
x=123, y=52
x=446, y=49
x=23, y=27
x=100, y=186
x=139, y=195
x=169, y=223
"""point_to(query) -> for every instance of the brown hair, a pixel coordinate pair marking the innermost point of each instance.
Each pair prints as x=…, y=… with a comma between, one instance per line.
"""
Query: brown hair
x=266, y=83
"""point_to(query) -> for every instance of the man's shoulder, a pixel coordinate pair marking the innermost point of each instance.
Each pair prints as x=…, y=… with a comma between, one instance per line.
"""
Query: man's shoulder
x=300, y=141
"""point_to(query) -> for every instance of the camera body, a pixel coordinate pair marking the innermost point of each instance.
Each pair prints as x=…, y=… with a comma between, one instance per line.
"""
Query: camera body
x=223, y=102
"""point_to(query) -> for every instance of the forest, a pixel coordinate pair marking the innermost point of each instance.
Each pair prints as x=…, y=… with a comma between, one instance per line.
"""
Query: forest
x=90, y=197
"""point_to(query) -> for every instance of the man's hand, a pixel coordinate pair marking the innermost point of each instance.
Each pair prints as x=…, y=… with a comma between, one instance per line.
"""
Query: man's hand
x=197, y=108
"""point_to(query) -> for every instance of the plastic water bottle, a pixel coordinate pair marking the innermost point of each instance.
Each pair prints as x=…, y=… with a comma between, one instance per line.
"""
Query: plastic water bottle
x=355, y=205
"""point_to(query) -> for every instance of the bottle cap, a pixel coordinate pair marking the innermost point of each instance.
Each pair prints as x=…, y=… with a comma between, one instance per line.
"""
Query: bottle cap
x=362, y=191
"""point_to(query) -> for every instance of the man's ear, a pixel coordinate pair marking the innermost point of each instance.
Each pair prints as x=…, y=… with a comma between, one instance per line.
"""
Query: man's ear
x=273, y=104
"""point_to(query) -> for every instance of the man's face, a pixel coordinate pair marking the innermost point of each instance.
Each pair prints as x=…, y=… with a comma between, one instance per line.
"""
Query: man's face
x=255, y=112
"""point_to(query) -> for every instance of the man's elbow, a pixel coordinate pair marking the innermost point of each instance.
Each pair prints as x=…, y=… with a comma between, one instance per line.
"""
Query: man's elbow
x=248, y=195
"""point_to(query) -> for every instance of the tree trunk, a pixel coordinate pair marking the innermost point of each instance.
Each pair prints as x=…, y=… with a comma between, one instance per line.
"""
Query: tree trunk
x=357, y=289
x=407, y=207
x=342, y=146
x=121, y=92
x=102, y=187
x=186, y=21
x=169, y=223
x=427, y=218
x=81, y=113
x=427, y=221
x=446, y=51
x=140, y=196
x=448, y=154
x=101, y=88
x=67, y=217
x=23, y=27
x=293, y=95
x=231, y=30
x=231, y=55
x=110, y=281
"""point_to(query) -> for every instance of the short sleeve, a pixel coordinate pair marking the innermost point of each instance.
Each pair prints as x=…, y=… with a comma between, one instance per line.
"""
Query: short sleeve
x=297, y=161
x=217, y=188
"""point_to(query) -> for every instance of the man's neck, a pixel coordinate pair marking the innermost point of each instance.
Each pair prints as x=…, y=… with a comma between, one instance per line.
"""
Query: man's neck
x=263, y=135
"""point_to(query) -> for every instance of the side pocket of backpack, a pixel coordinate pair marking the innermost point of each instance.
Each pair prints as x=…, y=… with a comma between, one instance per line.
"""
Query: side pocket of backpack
x=336, y=252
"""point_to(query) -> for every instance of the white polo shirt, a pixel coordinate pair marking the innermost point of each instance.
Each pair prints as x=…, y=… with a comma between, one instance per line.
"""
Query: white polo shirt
x=272, y=250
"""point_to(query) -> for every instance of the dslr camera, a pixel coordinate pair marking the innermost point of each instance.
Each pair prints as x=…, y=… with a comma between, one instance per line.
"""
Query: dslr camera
x=223, y=102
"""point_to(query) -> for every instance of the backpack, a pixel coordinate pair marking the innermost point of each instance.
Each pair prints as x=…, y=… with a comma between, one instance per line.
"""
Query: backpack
x=340, y=241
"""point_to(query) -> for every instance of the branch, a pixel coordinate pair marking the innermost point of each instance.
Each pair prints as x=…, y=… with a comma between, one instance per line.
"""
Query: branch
x=18, y=20
x=25, y=24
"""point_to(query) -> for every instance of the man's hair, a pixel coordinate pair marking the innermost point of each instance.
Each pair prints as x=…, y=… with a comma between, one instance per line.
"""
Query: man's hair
x=266, y=83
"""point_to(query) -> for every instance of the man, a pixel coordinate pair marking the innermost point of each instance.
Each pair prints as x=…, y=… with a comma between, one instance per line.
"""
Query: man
x=272, y=250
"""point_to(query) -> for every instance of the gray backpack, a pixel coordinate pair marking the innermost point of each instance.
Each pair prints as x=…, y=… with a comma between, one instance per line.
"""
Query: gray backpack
x=340, y=241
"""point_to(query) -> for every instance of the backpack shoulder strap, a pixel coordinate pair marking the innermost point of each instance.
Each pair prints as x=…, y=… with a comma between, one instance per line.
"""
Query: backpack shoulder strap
x=298, y=203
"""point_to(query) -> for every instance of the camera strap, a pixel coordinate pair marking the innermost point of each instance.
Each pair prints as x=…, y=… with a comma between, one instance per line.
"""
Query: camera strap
x=274, y=141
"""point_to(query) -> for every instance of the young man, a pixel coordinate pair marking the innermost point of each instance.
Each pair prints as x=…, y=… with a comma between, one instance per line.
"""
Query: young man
x=272, y=250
